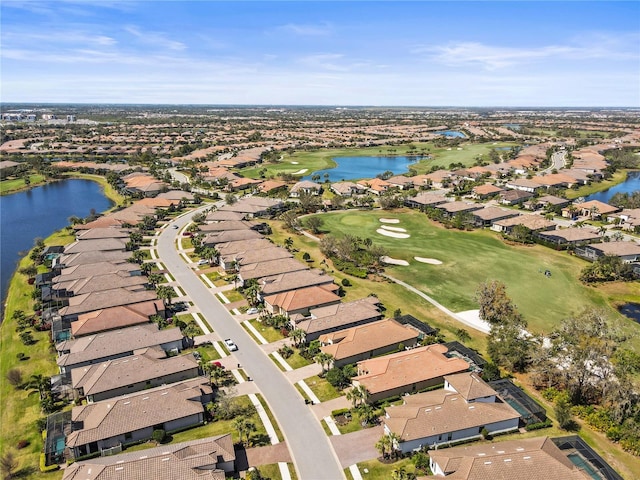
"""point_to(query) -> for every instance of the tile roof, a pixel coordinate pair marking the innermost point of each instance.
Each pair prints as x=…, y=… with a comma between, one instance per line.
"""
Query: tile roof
x=97, y=283
x=294, y=280
x=572, y=234
x=112, y=374
x=101, y=244
x=229, y=236
x=237, y=246
x=302, y=298
x=365, y=338
x=509, y=460
x=114, y=342
x=115, y=317
x=469, y=385
x=271, y=267
x=97, y=300
x=195, y=460
x=117, y=416
x=533, y=222
x=248, y=257
x=330, y=317
x=617, y=248
x=408, y=367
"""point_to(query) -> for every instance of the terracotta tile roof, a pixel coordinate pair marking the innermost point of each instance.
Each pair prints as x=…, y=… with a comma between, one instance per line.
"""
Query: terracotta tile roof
x=302, y=298
x=365, y=338
x=469, y=385
x=98, y=283
x=602, y=208
x=330, y=317
x=195, y=460
x=100, y=233
x=115, y=317
x=117, y=416
x=113, y=374
x=157, y=202
x=229, y=236
x=87, y=302
x=486, y=189
x=258, y=256
x=618, y=248
x=84, y=270
x=405, y=368
x=114, y=342
x=295, y=280
x=238, y=246
x=271, y=267
x=513, y=460
x=428, y=198
x=571, y=234
x=226, y=225
x=102, y=244
x=222, y=216
x=270, y=185
x=533, y=222
x=454, y=207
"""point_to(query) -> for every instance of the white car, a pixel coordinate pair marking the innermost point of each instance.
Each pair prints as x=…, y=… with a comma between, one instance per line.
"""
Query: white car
x=203, y=262
x=175, y=227
x=252, y=311
x=230, y=344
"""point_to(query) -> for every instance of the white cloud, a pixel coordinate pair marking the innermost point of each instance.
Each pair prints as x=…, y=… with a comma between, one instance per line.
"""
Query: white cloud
x=307, y=30
x=154, y=38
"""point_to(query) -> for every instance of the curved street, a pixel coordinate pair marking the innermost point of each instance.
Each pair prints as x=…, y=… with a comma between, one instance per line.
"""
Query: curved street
x=308, y=444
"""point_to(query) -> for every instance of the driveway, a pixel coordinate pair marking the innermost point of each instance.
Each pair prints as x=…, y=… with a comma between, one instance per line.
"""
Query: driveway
x=357, y=446
x=310, y=448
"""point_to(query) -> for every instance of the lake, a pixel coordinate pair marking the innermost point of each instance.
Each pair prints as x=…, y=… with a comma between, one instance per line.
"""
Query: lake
x=630, y=185
x=39, y=212
x=451, y=134
x=354, y=168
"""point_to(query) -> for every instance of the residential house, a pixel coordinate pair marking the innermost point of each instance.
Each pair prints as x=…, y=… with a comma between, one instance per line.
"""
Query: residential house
x=215, y=238
x=535, y=223
x=460, y=411
x=98, y=245
x=337, y=317
x=254, y=206
x=88, y=302
x=305, y=186
x=131, y=374
x=100, y=233
x=269, y=186
x=595, y=209
x=629, y=252
x=526, y=458
x=487, y=215
x=286, y=282
x=627, y=219
x=227, y=225
x=269, y=268
x=300, y=301
x=241, y=246
x=408, y=371
x=133, y=418
x=401, y=182
x=115, y=318
x=115, y=344
x=425, y=199
x=438, y=179
x=515, y=197
x=224, y=216
x=236, y=260
x=524, y=185
x=555, y=180
x=570, y=236
x=241, y=183
x=482, y=192
x=83, y=258
x=450, y=209
x=211, y=458
x=143, y=183
x=347, y=189
x=375, y=185
x=95, y=283
x=181, y=195
x=370, y=340
x=547, y=202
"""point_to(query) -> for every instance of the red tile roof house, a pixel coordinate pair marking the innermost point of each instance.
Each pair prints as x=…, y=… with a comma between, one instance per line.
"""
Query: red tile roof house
x=408, y=371
x=347, y=189
x=116, y=317
x=370, y=340
x=300, y=301
x=83, y=258
x=486, y=190
x=375, y=185
x=209, y=458
x=115, y=344
x=458, y=412
x=133, y=418
x=88, y=302
x=337, y=317
x=529, y=458
x=594, y=209
x=131, y=374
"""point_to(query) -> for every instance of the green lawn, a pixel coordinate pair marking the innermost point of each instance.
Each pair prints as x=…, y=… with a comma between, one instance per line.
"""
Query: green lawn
x=272, y=471
x=269, y=333
x=298, y=361
x=382, y=471
x=323, y=389
x=233, y=295
x=16, y=184
x=470, y=258
x=618, y=177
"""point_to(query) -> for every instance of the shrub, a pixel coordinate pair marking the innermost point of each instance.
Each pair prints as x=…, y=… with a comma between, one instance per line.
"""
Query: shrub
x=345, y=282
x=26, y=338
x=14, y=377
x=159, y=435
x=20, y=356
x=43, y=464
x=22, y=444
x=538, y=426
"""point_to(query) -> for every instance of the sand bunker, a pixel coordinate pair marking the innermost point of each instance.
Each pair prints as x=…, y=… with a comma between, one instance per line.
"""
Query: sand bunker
x=294, y=163
x=472, y=319
x=394, y=261
x=431, y=261
x=387, y=233
x=389, y=220
x=394, y=229
x=300, y=172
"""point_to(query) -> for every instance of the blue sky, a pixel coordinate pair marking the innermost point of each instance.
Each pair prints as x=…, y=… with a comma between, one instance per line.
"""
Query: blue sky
x=322, y=53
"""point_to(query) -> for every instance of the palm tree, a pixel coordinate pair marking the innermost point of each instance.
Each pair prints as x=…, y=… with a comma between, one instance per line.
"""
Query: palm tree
x=367, y=413
x=298, y=336
x=358, y=395
x=384, y=445
x=165, y=293
x=210, y=254
x=288, y=243
x=39, y=383
x=191, y=330
x=323, y=359
x=394, y=439
x=401, y=474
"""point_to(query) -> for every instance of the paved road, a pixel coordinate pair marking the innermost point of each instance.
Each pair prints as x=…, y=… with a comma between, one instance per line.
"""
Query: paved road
x=309, y=445
x=558, y=161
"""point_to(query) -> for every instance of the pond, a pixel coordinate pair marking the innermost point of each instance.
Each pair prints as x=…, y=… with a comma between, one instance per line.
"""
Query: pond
x=354, y=168
x=631, y=310
x=630, y=185
x=39, y=212
x=451, y=134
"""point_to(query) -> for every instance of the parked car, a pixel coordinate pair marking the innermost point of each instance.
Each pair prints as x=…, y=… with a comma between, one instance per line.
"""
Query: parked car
x=252, y=311
x=230, y=344
x=203, y=262
x=175, y=227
